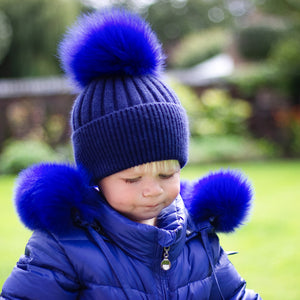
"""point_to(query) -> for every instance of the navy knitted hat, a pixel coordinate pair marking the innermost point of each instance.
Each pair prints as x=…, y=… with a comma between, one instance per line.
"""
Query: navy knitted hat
x=125, y=115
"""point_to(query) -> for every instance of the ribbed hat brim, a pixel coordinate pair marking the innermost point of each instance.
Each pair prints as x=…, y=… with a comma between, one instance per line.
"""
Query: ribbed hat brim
x=132, y=136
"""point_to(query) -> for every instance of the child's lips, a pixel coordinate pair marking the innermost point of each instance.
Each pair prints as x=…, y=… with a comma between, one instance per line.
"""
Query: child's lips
x=153, y=205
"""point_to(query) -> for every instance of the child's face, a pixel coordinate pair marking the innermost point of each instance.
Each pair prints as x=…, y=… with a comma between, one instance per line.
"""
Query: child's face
x=140, y=193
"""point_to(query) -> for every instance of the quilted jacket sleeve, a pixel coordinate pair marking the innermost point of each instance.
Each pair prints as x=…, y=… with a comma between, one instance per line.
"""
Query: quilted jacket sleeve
x=230, y=283
x=44, y=272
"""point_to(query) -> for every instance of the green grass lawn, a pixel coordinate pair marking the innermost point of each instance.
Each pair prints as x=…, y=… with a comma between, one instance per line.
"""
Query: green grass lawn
x=268, y=245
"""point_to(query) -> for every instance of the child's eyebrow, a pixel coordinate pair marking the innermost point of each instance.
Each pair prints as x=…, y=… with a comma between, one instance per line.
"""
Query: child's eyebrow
x=169, y=171
x=140, y=171
x=131, y=176
x=132, y=173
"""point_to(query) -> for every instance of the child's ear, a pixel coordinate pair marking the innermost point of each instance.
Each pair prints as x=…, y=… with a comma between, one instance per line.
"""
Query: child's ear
x=99, y=189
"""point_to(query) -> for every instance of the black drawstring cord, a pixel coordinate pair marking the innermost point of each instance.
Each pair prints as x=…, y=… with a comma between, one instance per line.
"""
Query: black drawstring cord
x=209, y=253
x=111, y=260
x=95, y=231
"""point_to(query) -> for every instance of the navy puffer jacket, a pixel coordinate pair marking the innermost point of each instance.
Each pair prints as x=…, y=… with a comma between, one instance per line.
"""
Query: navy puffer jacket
x=83, y=249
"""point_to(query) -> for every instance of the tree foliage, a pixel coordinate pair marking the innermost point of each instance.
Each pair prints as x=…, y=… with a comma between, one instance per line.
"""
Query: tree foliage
x=37, y=26
x=173, y=19
x=255, y=42
x=284, y=8
x=5, y=35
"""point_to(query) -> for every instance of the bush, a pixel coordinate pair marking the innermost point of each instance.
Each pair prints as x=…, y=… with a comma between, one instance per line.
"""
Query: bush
x=251, y=78
x=5, y=35
x=255, y=43
x=288, y=122
x=222, y=114
x=279, y=71
x=197, y=47
x=286, y=59
x=18, y=155
x=229, y=148
x=215, y=112
x=295, y=138
x=218, y=125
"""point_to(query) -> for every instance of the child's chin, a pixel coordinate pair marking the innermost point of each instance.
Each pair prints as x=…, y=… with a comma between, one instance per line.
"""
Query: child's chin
x=151, y=221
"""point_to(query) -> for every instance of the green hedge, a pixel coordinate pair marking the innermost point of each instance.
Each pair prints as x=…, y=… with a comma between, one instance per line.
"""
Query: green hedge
x=197, y=47
x=19, y=154
x=255, y=42
x=215, y=112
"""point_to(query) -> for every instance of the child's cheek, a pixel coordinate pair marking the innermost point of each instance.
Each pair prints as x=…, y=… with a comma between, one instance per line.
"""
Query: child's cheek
x=175, y=191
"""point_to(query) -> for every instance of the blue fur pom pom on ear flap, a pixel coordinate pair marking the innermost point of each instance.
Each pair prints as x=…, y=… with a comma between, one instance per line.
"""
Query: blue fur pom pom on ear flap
x=46, y=196
x=107, y=43
x=222, y=197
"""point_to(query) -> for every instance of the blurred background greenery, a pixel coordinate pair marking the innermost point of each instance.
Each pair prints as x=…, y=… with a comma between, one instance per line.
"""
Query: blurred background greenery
x=235, y=66
x=250, y=111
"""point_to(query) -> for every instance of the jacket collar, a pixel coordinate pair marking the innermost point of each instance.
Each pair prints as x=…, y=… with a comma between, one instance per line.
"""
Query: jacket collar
x=142, y=241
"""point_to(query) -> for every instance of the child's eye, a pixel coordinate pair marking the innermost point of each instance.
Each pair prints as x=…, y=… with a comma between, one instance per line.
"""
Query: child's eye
x=166, y=176
x=132, y=180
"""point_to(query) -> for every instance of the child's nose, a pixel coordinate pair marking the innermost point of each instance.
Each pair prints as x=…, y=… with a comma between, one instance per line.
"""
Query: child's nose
x=152, y=188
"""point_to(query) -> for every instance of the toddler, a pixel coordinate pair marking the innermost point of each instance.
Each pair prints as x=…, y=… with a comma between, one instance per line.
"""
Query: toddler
x=120, y=224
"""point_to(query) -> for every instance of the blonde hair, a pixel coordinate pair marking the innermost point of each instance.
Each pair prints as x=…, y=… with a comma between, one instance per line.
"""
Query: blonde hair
x=161, y=166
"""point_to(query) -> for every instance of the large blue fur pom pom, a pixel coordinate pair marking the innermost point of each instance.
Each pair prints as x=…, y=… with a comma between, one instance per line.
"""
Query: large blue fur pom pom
x=107, y=43
x=47, y=195
x=223, y=197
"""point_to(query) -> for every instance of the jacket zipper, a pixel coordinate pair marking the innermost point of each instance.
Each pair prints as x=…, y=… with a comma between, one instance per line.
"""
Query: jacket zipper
x=165, y=263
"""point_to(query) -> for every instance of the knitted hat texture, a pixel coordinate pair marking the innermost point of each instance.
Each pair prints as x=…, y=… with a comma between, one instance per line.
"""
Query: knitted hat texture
x=124, y=115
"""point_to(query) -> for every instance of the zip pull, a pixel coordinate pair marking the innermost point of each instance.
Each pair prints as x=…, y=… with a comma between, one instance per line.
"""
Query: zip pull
x=166, y=264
